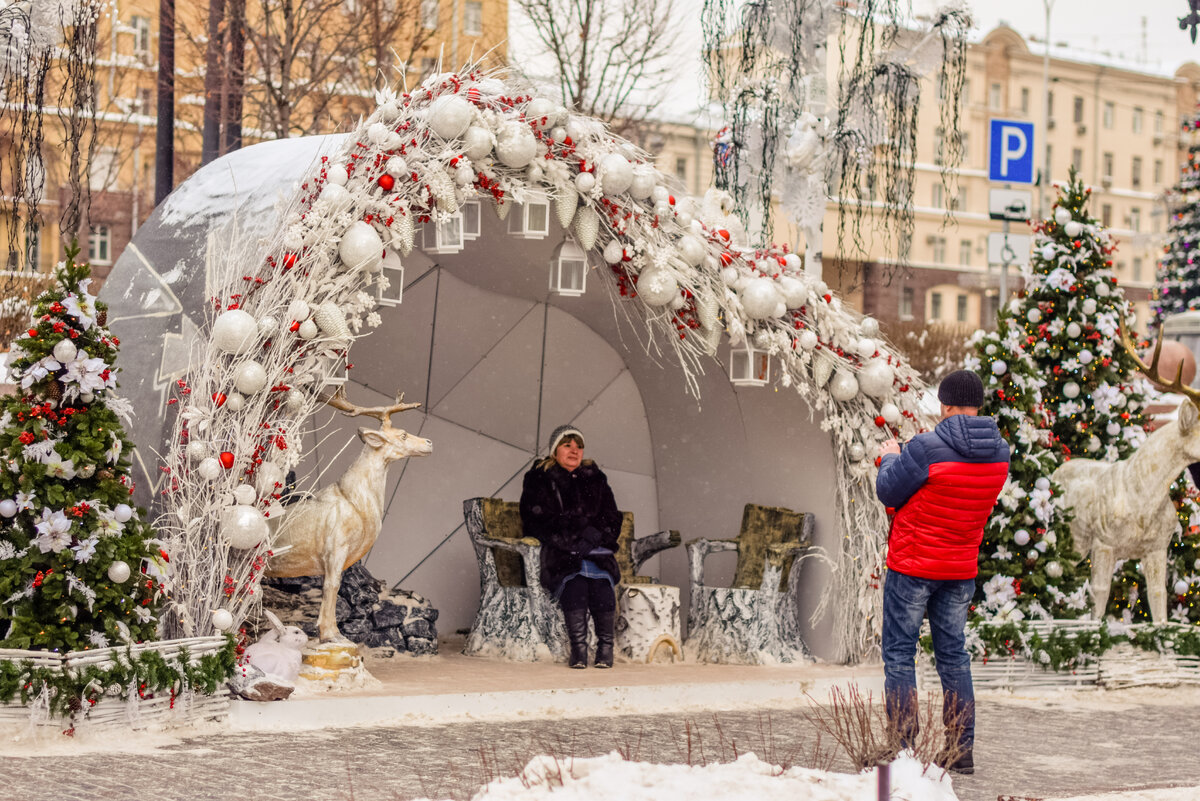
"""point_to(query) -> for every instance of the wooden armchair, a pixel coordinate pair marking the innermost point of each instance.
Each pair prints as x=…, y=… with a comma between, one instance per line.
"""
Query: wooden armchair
x=756, y=620
x=517, y=618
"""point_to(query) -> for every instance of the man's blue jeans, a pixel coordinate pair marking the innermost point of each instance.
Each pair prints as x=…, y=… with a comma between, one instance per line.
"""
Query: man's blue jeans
x=906, y=600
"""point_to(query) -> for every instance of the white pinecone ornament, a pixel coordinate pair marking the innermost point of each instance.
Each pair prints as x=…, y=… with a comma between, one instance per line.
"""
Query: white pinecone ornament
x=822, y=369
x=329, y=318
x=402, y=230
x=566, y=201
x=443, y=190
x=586, y=227
x=503, y=207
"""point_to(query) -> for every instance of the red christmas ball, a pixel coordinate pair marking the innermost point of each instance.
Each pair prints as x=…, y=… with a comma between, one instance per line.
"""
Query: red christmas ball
x=226, y=459
x=879, y=421
x=386, y=182
x=219, y=399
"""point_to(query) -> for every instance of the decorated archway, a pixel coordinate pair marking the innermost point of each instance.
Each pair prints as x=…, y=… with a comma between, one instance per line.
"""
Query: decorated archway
x=670, y=288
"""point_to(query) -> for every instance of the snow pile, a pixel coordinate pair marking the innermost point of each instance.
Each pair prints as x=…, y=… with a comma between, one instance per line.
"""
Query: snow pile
x=748, y=779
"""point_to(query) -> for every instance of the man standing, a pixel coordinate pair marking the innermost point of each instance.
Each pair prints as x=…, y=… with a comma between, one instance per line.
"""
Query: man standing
x=942, y=486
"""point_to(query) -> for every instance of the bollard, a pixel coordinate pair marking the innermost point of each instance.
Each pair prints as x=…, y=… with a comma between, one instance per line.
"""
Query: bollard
x=884, y=772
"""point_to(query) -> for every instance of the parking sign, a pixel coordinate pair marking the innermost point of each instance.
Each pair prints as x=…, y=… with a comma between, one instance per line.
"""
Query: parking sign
x=1010, y=151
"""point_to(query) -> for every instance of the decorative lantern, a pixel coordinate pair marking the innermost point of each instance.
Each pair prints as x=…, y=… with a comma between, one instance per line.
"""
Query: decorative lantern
x=393, y=271
x=568, y=269
x=472, y=214
x=749, y=366
x=337, y=373
x=443, y=237
x=531, y=219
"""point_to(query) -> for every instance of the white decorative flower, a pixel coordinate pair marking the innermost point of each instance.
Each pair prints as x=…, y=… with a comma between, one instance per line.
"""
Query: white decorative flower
x=114, y=450
x=25, y=500
x=85, y=549
x=57, y=467
x=106, y=524
x=7, y=550
x=89, y=373
x=98, y=639
x=54, y=531
x=1060, y=278
x=143, y=614
x=374, y=320
x=81, y=308
x=998, y=591
x=1002, y=553
x=39, y=451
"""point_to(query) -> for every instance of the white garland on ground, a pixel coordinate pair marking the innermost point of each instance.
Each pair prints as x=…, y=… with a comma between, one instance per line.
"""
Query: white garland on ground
x=294, y=305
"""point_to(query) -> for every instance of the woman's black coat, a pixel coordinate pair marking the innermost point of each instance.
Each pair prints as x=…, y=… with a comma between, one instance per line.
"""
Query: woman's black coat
x=570, y=513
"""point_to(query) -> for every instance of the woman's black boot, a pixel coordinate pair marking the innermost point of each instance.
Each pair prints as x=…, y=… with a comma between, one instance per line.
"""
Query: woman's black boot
x=577, y=631
x=604, y=637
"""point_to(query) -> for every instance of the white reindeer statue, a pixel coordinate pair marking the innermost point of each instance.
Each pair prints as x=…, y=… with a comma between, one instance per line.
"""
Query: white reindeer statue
x=338, y=525
x=1123, y=509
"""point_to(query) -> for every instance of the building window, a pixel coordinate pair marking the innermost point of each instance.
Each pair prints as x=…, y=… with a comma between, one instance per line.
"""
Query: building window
x=1049, y=160
x=429, y=14
x=906, y=303
x=1109, y=114
x=1137, y=269
x=960, y=310
x=1137, y=119
x=1078, y=110
x=681, y=169
x=1077, y=158
x=1135, y=173
x=994, y=91
x=965, y=139
x=1107, y=173
x=937, y=196
x=143, y=101
x=935, y=306
x=1158, y=171
x=1135, y=219
x=100, y=245
x=1158, y=122
x=964, y=253
x=939, y=249
x=102, y=170
x=939, y=145
x=1106, y=215
x=966, y=93
x=1024, y=100
x=959, y=201
x=1050, y=104
x=141, y=35
x=473, y=18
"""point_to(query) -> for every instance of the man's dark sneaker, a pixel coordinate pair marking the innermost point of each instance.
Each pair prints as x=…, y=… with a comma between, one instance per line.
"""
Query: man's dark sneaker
x=963, y=763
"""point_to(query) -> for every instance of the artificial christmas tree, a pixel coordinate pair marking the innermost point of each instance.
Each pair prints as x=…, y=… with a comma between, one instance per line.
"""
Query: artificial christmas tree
x=72, y=548
x=1178, y=277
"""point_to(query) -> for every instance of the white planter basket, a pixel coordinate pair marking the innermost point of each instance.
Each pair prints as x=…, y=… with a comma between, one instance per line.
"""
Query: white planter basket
x=161, y=711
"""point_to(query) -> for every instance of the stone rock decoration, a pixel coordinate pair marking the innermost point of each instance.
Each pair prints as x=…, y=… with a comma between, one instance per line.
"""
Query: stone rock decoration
x=368, y=613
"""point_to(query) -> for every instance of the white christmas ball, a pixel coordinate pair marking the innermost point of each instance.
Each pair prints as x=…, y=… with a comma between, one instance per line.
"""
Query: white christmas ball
x=1062, y=216
x=856, y=452
x=1113, y=428
x=616, y=174
x=86, y=397
x=585, y=182
x=244, y=493
x=780, y=309
x=1085, y=356
x=396, y=167
x=222, y=620
x=999, y=367
x=1071, y=390
x=235, y=402
x=662, y=209
x=990, y=350
x=336, y=175
x=249, y=377
x=308, y=329
x=8, y=507
x=65, y=350
x=843, y=386
x=361, y=247
x=613, y=251
x=449, y=116
x=235, y=331
x=1073, y=330
x=692, y=250
x=1031, y=555
x=197, y=450
x=243, y=526
x=118, y=572
x=642, y=184
x=334, y=198
x=1054, y=570
x=730, y=275
x=1093, y=444
x=807, y=339
x=463, y=175
x=795, y=294
x=1089, y=305
x=1196, y=565
x=1021, y=537
x=678, y=302
x=865, y=348
x=267, y=476
x=478, y=142
x=870, y=327
x=516, y=146
x=209, y=469
x=267, y=326
x=890, y=412
x=684, y=218
x=657, y=287
x=1102, y=289
x=298, y=310
x=796, y=264
x=1048, y=252
x=876, y=378
x=1073, y=229
x=122, y=512
x=1034, y=315
x=759, y=298
x=86, y=471
x=541, y=112
x=1042, y=483
x=1181, y=587
x=558, y=133
x=660, y=194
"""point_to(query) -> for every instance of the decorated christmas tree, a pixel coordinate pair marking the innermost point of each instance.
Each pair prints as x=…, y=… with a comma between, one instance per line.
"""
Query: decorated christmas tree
x=1179, y=271
x=73, y=551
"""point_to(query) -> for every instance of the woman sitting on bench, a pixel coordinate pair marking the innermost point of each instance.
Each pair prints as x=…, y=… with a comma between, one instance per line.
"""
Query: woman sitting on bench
x=568, y=506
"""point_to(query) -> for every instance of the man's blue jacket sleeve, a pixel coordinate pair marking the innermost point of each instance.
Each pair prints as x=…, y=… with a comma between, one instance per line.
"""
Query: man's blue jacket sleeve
x=901, y=476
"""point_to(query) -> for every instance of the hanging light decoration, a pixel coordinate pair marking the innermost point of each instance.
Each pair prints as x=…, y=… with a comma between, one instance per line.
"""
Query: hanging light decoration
x=531, y=218
x=749, y=366
x=472, y=214
x=445, y=236
x=568, y=268
x=393, y=271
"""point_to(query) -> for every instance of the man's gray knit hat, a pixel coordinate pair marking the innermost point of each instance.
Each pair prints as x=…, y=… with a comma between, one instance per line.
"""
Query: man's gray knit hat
x=561, y=433
x=961, y=388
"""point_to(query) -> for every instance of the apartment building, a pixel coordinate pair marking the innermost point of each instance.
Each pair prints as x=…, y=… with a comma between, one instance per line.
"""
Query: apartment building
x=122, y=169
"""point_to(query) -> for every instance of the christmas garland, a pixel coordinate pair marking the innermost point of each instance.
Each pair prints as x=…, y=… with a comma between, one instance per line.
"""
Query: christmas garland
x=1065, y=648
x=72, y=690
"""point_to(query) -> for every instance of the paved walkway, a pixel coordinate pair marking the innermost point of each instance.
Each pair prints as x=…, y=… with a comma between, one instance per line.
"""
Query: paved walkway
x=1040, y=747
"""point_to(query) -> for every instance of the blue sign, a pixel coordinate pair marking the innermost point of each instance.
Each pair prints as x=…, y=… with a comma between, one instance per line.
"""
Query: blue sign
x=1010, y=152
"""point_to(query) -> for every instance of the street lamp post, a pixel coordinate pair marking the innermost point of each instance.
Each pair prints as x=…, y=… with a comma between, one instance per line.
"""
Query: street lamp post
x=1045, y=177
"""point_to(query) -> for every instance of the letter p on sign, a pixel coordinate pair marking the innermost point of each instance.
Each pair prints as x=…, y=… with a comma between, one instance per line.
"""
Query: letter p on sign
x=1010, y=151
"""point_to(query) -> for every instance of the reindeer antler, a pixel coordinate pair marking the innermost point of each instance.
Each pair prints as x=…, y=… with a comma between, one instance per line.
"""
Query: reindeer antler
x=384, y=414
x=1151, y=370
